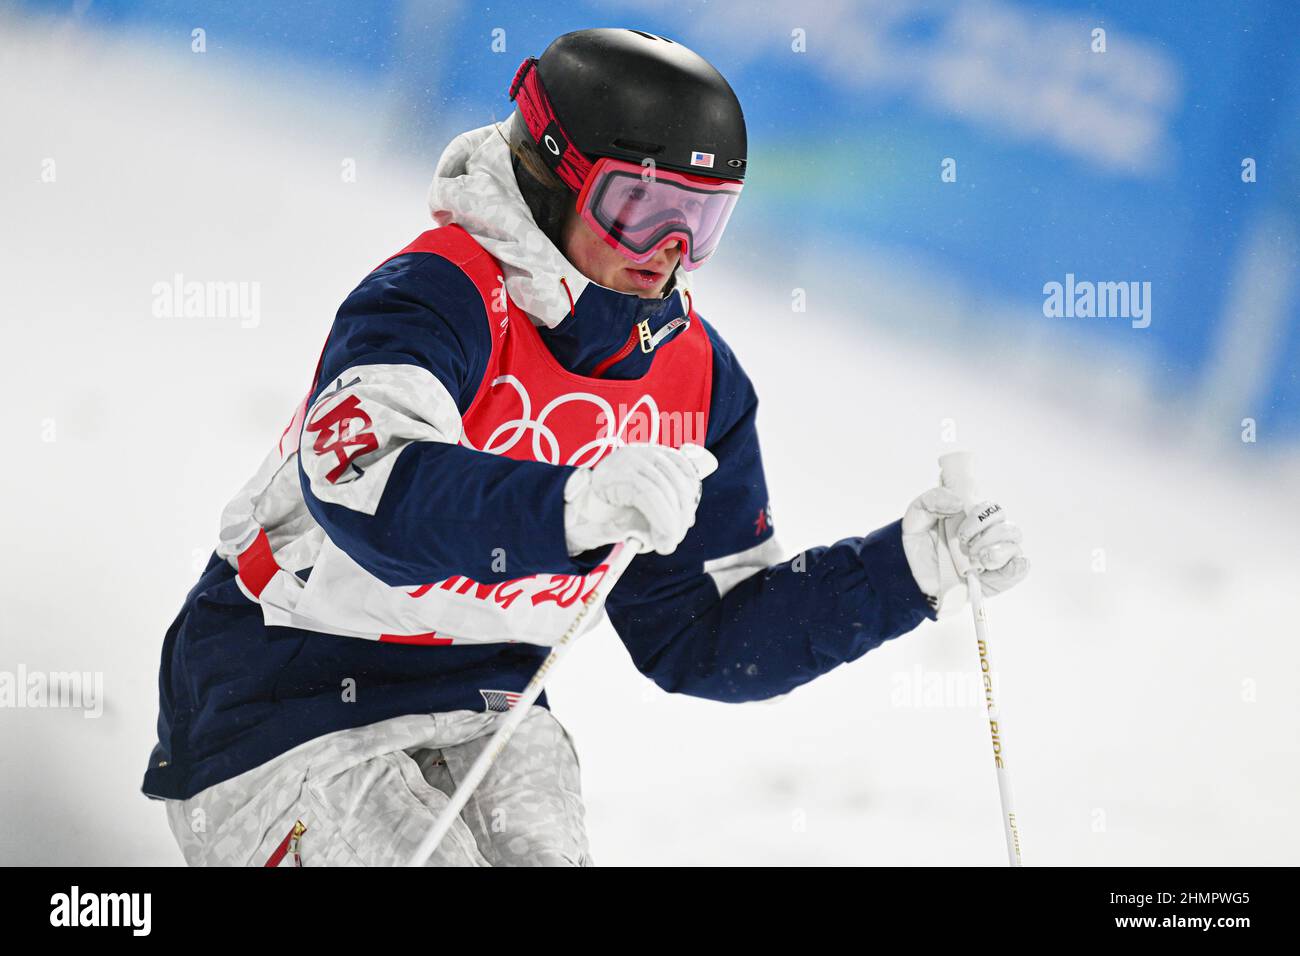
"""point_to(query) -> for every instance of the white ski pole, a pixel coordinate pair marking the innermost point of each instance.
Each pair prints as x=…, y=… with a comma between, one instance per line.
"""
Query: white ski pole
x=619, y=559
x=956, y=472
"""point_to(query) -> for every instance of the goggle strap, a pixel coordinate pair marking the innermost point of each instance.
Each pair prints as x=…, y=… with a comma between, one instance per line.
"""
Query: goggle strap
x=519, y=76
x=555, y=145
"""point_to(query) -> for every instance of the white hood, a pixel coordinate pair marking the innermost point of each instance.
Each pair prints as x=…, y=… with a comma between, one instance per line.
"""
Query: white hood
x=474, y=186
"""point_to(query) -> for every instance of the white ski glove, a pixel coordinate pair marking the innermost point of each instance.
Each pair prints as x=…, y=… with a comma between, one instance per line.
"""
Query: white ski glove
x=989, y=541
x=647, y=491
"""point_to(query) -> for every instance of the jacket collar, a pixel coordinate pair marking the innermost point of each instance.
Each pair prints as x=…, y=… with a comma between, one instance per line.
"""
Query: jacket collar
x=602, y=323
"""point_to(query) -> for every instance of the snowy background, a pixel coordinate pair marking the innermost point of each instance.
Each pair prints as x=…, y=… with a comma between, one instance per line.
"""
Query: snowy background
x=1147, y=670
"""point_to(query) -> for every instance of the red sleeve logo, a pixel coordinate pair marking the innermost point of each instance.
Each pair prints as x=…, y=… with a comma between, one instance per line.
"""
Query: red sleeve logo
x=344, y=432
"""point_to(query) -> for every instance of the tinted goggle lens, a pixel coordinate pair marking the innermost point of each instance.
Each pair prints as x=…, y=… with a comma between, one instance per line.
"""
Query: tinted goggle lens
x=638, y=214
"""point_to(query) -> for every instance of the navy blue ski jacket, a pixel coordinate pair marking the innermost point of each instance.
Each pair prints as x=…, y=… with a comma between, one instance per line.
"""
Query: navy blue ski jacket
x=721, y=618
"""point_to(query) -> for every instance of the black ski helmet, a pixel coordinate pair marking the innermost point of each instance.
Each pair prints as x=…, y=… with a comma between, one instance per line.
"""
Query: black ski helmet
x=626, y=94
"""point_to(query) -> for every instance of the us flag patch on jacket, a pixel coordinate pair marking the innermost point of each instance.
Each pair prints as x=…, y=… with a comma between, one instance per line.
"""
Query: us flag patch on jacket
x=499, y=701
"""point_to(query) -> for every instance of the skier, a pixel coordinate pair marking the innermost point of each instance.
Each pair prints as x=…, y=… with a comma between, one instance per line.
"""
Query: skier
x=497, y=404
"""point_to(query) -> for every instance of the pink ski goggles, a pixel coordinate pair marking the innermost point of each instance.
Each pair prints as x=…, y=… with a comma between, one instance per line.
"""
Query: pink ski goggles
x=639, y=211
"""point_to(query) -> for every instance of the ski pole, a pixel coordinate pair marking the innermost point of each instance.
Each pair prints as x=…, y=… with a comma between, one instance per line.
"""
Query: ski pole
x=619, y=558
x=956, y=473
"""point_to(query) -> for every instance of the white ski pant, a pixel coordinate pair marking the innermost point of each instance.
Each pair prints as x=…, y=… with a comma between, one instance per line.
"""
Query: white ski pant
x=367, y=796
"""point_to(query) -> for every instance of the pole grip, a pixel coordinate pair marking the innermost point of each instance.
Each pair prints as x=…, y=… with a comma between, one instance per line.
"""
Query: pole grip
x=957, y=473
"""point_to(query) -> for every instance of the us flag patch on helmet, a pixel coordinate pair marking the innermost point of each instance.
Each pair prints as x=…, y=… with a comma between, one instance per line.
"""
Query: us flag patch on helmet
x=499, y=701
x=702, y=159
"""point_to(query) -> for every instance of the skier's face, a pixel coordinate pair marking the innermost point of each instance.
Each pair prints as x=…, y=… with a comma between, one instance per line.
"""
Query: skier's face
x=606, y=266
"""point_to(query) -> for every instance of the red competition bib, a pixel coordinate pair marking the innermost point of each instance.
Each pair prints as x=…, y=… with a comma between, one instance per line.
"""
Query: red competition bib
x=528, y=407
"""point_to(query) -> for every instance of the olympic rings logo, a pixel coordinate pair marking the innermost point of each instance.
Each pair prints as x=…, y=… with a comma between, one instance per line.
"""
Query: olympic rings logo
x=545, y=444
